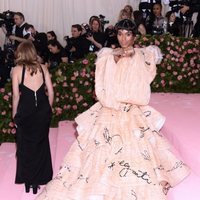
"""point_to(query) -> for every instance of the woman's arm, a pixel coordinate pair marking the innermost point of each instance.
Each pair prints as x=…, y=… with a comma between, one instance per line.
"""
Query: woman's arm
x=49, y=85
x=15, y=90
x=97, y=44
x=142, y=29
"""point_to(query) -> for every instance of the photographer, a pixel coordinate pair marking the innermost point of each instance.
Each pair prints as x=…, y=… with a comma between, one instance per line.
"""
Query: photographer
x=39, y=40
x=96, y=36
x=57, y=54
x=77, y=46
x=7, y=22
x=18, y=29
x=191, y=7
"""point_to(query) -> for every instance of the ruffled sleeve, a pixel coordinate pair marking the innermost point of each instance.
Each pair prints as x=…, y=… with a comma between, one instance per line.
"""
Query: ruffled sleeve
x=104, y=78
x=152, y=57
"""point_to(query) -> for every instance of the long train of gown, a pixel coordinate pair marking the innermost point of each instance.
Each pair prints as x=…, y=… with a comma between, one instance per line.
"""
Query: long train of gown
x=119, y=153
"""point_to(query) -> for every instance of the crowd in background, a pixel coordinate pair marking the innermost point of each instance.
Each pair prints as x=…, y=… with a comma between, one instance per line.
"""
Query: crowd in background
x=93, y=36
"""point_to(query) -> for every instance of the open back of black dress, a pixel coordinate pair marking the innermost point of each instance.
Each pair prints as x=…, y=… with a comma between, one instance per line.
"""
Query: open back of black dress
x=34, y=165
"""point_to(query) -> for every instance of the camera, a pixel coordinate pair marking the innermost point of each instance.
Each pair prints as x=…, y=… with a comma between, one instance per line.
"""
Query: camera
x=177, y=4
x=69, y=42
x=7, y=19
x=102, y=20
x=88, y=31
x=157, y=30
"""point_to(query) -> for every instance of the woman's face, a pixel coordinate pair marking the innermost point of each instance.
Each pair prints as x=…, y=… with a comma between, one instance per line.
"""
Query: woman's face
x=95, y=26
x=50, y=37
x=172, y=17
x=53, y=49
x=125, y=38
x=157, y=10
x=128, y=9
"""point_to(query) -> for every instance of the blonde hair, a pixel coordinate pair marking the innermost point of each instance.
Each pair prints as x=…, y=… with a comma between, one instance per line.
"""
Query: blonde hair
x=122, y=13
x=26, y=55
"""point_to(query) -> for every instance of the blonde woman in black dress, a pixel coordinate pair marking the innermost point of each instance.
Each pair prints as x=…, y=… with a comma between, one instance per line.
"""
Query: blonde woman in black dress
x=31, y=111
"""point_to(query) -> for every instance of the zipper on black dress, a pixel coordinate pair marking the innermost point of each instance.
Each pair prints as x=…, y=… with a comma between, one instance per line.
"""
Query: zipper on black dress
x=35, y=94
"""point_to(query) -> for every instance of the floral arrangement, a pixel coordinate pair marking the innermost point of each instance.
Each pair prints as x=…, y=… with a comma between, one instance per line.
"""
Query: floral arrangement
x=73, y=83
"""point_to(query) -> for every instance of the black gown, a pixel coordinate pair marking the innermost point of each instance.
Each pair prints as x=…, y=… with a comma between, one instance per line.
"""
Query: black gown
x=34, y=165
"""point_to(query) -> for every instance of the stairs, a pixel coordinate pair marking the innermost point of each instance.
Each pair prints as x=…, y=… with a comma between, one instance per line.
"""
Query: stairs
x=60, y=140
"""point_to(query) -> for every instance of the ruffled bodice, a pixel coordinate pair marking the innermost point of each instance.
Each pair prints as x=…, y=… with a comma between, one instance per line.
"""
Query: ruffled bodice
x=128, y=80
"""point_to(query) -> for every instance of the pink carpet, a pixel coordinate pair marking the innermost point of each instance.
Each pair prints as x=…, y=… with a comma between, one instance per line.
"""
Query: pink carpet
x=182, y=113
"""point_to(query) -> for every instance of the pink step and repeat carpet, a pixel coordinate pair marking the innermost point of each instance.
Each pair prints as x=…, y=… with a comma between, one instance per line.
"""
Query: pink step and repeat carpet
x=182, y=129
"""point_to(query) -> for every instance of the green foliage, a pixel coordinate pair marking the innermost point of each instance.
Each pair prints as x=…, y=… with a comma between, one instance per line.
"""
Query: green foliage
x=74, y=83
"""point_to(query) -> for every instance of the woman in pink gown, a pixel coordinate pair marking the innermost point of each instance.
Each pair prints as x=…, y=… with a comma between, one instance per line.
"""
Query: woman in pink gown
x=119, y=153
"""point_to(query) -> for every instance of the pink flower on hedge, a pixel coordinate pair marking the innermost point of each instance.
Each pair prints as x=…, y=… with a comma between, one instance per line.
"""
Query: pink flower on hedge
x=74, y=89
x=169, y=67
x=85, y=61
x=6, y=97
x=2, y=90
x=68, y=106
x=73, y=78
x=85, y=104
x=58, y=110
x=92, y=73
x=162, y=83
x=189, y=51
x=194, y=50
x=145, y=39
x=86, y=83
x=89, y=91
x=194, y=83
x=175, y=73
x=64, y=84
x=157, y=42
x=13, y=131
x=181, y=59
x=11, y=124
x=83, y=73
x=162, y=75
x=80, y=98
x=74, y=107
x=76, y=73
x=57, y=99
x=3, y=113
x=72, y=84
x=185, y=43
x=4, y=130
x=191, y=79
x=185, y=65
x=179, y=77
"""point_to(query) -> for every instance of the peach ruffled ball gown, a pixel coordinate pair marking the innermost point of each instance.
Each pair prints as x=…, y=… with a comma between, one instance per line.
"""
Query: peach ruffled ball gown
x=119, y=153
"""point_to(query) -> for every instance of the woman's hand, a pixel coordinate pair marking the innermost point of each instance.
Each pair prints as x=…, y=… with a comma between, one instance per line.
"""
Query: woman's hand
x=121, y=53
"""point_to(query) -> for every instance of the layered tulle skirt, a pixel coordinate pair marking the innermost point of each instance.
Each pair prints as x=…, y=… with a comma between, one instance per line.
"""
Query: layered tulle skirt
x=118, y=155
